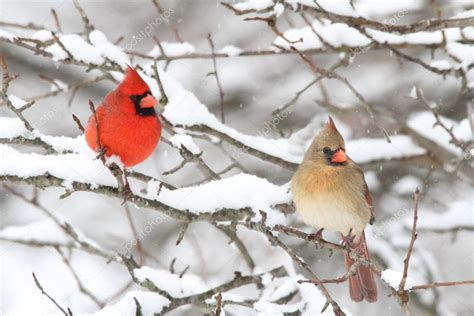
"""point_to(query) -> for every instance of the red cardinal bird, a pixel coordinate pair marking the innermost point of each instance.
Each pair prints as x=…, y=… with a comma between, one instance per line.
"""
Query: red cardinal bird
x=329, y=191
x=128, y=124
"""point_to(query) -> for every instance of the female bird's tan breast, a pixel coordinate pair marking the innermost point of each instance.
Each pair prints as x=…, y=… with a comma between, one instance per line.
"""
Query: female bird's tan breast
x=331, y=197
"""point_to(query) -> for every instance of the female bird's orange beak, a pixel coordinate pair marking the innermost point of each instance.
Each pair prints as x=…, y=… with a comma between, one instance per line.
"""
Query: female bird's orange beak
x=339, y=156
x=148, y=102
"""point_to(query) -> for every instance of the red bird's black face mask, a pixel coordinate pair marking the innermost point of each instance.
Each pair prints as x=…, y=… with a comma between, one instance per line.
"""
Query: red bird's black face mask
x=144, y=104
x=135, y=88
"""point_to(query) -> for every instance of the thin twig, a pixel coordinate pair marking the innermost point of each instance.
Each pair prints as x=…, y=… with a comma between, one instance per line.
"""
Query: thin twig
x=5, y=84
x=182, y=232
x=218, y=304
x=135, y=234
x=282, y=108
x=138, y=307
x=216, y=75
x=164, y=97
x=440, y=284
x=38, y=285
x=333, y=75
x=406, y=262
x=85, y=19
x=169, y=23
x=78, y=123
x=80, y=285
x=56, y=21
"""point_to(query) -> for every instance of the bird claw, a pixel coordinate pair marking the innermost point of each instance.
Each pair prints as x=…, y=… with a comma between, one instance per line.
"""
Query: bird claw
x=348, y=239
x=317, y=236
x=122, y=181
x=126, y=193
x=101, y=153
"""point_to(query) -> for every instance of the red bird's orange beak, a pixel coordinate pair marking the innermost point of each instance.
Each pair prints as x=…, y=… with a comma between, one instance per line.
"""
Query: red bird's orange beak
x=148, y=102
x=339, y=156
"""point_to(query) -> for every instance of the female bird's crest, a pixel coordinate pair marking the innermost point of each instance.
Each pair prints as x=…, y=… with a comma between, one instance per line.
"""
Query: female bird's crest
x=328, y=146
x=330, y=125
x=330, y=136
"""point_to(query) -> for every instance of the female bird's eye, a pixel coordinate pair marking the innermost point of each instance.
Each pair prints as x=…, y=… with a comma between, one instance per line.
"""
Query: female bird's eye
x=326, y=150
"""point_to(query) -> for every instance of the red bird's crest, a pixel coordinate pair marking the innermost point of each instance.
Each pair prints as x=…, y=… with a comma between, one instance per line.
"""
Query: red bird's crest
x=132, y=83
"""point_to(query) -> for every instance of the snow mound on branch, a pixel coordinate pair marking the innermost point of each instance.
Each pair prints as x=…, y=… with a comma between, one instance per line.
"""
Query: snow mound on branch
x=7, y=35
x=42, y=35
x=420, y=38
x=274, y=290
x=14, y=127
x=150, y=303
x=107, y=49
x=239, y=191
x=464, y=15
x=80, y=49
x=393, y=278
x=64, y=144
x=70, y=167
x=230, y=50
x=463, y=52
x=77, y=47
x=172, y=49
x=16, y=101
x=423, y=123
x=407, y=185
x=268, y=308
x=11, y=127
x=442, y=64
x=342, y=35
x=392, y=10
x=362, y=8
x=57, y=52
x=336, y=34
x=187, y=141
x=253, y=5
x=175, y=285
x=341, y=7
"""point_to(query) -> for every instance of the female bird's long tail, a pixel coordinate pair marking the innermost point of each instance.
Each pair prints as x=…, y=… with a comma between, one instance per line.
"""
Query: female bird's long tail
x=362, y=284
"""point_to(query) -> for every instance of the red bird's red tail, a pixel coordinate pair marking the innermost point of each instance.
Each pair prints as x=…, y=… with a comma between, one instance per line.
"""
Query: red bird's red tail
x=362, y=284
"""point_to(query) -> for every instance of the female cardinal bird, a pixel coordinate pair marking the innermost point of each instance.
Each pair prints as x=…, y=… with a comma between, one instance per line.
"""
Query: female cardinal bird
x=329, y=191
x=127, y=122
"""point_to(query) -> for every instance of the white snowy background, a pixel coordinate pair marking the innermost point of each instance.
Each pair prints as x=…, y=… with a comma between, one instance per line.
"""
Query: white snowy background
x=61, y=218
